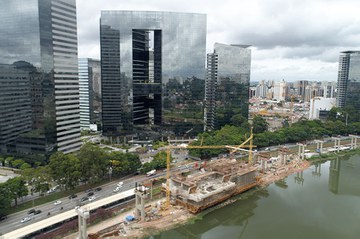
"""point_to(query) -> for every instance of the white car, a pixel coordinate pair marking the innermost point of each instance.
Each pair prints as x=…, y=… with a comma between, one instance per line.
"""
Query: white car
x=57, y=202
x=92, y=198
x=25, y=219
x=117, y=189
x=120, y=184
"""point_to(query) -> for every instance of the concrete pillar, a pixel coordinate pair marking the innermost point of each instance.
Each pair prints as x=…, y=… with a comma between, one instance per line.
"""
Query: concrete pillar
x=337, y=143
x=353, y=143
x=141, y=193
x=83, y=214
x=319, y=145
x=301, y=151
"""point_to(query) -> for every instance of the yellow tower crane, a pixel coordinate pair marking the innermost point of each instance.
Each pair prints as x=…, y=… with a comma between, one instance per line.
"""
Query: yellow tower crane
x=234, y=148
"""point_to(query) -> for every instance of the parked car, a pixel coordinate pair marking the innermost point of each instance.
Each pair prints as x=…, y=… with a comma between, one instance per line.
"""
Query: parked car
x=57, y=202
x=120, y=184
x=98, y=189
x=89, y=190
x=25, y=219
x=90, y=194
x=72, y=196
x=117, y=189
x=2, y=218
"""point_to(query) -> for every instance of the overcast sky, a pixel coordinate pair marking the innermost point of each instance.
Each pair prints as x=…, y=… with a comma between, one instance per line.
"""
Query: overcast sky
x=291, y=39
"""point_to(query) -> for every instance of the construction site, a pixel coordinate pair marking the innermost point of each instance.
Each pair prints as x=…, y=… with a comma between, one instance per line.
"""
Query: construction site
x=204, y=185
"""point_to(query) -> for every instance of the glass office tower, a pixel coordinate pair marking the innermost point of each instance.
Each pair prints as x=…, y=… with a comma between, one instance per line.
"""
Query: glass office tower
x=141, y=52
x=90, y=92
x=227, y=84
x=348, y=85
x=39, y=42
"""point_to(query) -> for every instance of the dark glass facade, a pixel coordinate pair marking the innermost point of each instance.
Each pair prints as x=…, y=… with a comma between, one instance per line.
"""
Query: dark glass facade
x=141, y=52
x=227, y=84
x=39, y=39
x=348, y=88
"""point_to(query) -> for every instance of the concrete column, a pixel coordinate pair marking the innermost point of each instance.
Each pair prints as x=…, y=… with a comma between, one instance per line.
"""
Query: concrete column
x=140, y=195
x=353, y=143
x=83, y=214
x=301, y=151
x=337, y=143
x=319, y=145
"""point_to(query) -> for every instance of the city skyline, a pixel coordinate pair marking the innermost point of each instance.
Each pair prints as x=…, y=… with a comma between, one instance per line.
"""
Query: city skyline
x=291, y=41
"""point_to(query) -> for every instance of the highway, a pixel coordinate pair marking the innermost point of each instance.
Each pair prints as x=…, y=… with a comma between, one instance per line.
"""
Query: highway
x=13, y=221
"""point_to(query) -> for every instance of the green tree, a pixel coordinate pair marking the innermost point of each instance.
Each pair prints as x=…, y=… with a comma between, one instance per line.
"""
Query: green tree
x=17, y=163
x=240, y=121
x=65, y=169
x=94, y=162
x=17, y=188
x=38, y=178
x=5, y=199
x=259, y=124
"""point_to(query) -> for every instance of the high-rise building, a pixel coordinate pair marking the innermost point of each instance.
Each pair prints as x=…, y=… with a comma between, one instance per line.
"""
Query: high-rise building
x=280, y=90
x=301, y=88
x=227, y=84
x=348, y=85
x=141, y=51
x=90, y=92
x=39, y=43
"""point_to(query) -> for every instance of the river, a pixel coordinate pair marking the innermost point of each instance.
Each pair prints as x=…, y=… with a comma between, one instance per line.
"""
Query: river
x=323, y=202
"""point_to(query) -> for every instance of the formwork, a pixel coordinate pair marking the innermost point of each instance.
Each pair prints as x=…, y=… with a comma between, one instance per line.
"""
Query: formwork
x=221, y=179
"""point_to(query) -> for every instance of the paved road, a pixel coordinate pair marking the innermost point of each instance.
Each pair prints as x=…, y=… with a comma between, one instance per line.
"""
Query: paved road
x=13, y=221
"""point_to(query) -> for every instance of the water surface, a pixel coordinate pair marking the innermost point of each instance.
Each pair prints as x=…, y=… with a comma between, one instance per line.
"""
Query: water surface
x=322, y=202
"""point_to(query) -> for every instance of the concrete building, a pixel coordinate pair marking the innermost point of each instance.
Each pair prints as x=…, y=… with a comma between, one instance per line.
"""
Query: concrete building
x=329, y=89
x=301, y=87
x=227, y=84
x=140, y=52
x=348, y=85
x=261, y=90
x=39, y=39
x=90, y=92
x=280, y=91
x=318, y=104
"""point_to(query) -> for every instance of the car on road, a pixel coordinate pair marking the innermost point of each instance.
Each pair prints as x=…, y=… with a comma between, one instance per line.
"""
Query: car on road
x=83, y=199
x=92, y=198
x=31, y=211
x=57, y=202
x=98, y=189
x=37, y=212
x=117, y=189
x=90, y=194
x=120, y=184
x=89, y=190
x=72, y=196
x=2, y=218
x=25, y=219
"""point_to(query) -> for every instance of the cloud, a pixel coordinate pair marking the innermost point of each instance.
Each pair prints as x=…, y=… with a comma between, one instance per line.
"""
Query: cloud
x=305, y=36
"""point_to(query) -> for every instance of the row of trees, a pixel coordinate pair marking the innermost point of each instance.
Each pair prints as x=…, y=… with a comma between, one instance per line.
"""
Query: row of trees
x=90, y=165
x=11, y=190
x=300, y=131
